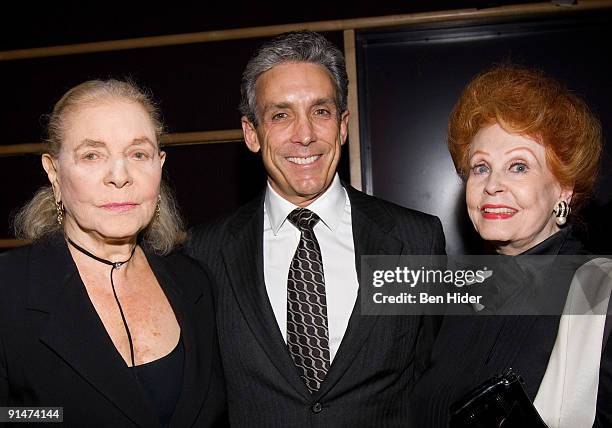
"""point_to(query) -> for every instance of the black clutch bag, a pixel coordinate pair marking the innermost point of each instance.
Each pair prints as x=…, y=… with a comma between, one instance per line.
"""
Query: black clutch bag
x=499, y=402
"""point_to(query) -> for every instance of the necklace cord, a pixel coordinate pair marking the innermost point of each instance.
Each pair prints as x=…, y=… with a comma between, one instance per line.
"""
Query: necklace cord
x=114, y=265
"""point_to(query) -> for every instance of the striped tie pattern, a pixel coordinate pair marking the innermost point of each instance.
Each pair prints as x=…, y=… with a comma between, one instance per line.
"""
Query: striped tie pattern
x=307, y=332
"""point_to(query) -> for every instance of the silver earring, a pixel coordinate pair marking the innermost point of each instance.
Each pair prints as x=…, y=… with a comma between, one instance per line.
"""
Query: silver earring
x=59, y=207
x=158, y=208
x=561, y=211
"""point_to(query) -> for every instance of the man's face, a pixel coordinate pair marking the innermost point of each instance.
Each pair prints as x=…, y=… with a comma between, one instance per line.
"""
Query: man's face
x=300, y=131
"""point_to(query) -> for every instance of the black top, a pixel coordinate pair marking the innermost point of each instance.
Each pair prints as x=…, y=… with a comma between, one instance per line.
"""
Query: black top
x=162, y=381
x=533, y=282
x=471, y=349
x=55, y=351
x=564, y=242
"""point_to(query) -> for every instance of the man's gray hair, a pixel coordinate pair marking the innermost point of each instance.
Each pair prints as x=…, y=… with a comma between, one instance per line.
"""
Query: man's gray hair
x=295, y=46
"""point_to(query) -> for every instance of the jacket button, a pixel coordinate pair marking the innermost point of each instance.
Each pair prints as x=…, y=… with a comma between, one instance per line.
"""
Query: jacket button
x=316, y=408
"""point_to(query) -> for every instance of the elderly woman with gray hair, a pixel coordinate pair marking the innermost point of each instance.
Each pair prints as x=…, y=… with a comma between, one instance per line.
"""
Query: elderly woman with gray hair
x=97, y=316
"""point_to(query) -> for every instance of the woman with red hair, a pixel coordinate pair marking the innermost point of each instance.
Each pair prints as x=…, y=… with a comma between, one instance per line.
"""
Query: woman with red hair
x=528, y=151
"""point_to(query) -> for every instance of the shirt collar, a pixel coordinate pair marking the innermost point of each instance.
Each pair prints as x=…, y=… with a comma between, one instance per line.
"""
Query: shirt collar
x=329, y=206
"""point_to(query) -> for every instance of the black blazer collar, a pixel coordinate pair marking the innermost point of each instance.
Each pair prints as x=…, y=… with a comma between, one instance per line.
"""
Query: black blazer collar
x=196, y=337
x=75, y=332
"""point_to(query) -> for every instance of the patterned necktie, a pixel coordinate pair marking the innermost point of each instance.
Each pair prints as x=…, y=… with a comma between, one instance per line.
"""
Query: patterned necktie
x=307, y=333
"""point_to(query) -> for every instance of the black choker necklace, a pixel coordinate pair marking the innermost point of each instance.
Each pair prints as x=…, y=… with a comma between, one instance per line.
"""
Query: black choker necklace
x=115, y=265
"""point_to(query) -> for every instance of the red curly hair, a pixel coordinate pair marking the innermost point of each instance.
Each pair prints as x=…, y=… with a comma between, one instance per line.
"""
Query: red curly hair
x=528, y=102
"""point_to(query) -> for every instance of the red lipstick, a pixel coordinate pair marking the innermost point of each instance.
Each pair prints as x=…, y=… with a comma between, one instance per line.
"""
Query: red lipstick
x=497, y=212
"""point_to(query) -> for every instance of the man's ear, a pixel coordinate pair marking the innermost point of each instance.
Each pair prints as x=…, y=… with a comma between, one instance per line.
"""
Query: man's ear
x=250, y=135
x=50, y=167
x=344, y=126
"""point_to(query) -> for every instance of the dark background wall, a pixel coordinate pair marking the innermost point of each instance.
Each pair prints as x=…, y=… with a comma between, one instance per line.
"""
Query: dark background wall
x=410, y=81
x=198, y=89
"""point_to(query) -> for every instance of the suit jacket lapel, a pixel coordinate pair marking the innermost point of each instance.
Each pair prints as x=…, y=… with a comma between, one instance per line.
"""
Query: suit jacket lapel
x=76, y=334
x=372, y=235
x=197, y=368
x=243, y=258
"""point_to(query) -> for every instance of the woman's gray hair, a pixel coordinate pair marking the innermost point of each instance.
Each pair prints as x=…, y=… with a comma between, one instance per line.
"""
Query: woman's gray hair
x=295, y=46
x=38, y=218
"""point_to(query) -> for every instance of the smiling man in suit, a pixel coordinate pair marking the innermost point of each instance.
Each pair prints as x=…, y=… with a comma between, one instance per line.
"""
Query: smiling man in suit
x=296, y=350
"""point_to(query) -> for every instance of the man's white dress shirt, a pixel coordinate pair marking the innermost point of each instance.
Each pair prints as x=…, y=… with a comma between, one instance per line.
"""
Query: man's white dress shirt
x=335, y=235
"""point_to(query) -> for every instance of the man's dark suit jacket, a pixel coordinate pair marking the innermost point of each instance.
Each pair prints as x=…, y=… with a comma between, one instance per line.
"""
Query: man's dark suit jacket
x=370, y=379
x=55, y=351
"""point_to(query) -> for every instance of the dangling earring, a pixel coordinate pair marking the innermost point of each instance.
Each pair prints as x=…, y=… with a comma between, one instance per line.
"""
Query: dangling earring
x=561, y=211
x=59, y=207
x=158, y=208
